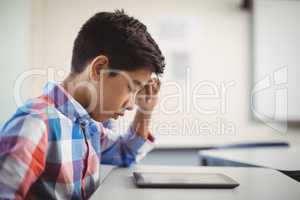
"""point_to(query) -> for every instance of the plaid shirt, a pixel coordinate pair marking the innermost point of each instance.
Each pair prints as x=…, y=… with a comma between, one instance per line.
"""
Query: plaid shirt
x=52, y=149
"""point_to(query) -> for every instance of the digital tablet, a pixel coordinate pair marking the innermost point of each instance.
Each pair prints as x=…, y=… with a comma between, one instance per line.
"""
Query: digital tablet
x=183, y=180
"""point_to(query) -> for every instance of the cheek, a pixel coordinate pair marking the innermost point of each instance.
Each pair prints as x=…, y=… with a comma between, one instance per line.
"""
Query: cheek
x=115, y=97
x=123, y=97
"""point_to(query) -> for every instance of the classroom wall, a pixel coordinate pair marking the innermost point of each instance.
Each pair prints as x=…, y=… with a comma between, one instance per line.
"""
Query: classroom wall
x=14, y=52
x=219, y=52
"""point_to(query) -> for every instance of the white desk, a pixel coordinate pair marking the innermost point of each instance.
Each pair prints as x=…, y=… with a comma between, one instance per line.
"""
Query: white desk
x=214, y=140
x=255, y=183
x=105, y=170
x=284, y=159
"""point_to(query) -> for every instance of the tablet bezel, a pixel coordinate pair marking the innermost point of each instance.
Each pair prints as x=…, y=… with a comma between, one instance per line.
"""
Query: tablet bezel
x=140, y=181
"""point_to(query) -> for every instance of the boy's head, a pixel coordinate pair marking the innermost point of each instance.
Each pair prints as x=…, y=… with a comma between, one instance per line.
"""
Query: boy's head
x=115, y=55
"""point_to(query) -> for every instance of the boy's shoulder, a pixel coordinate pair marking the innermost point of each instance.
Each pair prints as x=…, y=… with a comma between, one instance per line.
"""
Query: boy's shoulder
x=38, y=108
x=39, y=105
x=37, y=112
x=32, y=115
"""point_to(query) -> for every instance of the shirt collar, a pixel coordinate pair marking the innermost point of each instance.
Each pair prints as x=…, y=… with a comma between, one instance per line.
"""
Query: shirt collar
x=64, y=102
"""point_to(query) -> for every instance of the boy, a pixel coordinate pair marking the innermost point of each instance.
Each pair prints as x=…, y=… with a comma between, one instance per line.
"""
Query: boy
x=53, y=146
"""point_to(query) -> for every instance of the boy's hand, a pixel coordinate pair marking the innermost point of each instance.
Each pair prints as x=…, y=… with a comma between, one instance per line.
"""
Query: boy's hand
x=147, y=98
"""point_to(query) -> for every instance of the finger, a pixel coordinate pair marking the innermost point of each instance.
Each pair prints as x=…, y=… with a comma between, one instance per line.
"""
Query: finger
x=149, y=93
x=156, y=86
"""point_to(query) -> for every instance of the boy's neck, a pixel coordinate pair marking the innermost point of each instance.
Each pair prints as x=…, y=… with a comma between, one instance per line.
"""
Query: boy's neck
x=78, y=92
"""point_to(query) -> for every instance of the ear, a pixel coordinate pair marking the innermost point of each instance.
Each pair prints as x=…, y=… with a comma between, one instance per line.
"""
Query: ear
x=99, y=68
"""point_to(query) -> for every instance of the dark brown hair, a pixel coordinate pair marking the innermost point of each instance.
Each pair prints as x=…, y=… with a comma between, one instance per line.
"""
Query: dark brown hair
x=123, y=39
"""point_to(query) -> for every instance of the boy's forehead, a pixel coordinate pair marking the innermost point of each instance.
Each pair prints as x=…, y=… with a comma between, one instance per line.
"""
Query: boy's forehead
x=140, y=77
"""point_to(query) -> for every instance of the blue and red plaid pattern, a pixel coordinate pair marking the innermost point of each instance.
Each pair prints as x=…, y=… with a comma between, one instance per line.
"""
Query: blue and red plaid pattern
x=52, y=149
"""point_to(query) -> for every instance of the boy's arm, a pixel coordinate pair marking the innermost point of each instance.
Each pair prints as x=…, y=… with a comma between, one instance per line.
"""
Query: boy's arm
x=138, y=140
x=124, y=149
x=23, y=144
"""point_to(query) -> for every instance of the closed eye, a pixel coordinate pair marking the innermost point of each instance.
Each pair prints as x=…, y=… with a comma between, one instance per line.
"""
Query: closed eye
x=136, y=86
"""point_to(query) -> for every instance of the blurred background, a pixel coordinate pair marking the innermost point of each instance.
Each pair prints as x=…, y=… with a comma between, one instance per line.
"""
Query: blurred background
x=231, y=75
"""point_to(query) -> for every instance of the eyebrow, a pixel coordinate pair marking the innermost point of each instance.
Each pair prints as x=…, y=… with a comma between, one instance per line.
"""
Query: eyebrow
x=137, y=82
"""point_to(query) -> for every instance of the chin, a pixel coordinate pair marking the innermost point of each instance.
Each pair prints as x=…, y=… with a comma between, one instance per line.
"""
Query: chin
x=102, y=118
